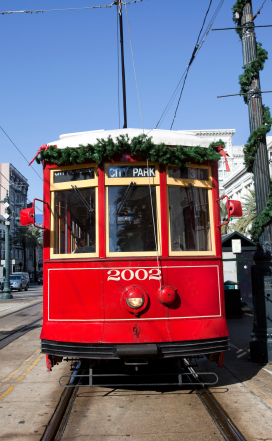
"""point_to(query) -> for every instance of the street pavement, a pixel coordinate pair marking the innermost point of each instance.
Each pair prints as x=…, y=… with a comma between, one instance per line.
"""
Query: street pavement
x=244, y=389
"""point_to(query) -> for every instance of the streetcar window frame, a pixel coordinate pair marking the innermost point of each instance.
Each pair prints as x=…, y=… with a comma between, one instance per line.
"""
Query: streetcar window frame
x=62, y=186
x=205, y=184
x=141, y=181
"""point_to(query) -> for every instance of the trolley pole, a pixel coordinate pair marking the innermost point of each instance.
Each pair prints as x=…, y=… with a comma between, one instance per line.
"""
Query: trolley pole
x=7, y=292
x=119, y=5
x=261, y=345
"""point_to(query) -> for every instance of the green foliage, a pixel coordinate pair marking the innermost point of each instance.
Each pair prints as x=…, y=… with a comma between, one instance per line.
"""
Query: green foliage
x=252, y=70
x=249, y=213
x=33, y=237
x=238, y=7
x=225, y=229
x=254, y=139
x=263, y=219
x=139, y=147
x=20, y=236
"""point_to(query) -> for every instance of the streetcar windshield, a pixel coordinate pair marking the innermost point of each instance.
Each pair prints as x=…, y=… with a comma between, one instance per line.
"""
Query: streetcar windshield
x=132, y=218
x=74, y=221
x=189, y=219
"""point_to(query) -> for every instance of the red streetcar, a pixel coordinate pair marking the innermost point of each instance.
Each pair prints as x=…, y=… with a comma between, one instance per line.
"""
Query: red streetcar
x=132, y=256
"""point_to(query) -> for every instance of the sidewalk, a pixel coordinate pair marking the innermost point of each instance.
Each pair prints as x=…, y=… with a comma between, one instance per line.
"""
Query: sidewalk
x=244, y=389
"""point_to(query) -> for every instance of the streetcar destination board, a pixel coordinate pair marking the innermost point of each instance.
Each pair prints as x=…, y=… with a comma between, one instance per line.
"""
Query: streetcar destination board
x=78, y=174
x=131, y=171
x=188, y=173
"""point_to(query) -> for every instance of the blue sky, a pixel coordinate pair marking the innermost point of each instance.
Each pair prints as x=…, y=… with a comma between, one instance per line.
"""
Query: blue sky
x=59, y=71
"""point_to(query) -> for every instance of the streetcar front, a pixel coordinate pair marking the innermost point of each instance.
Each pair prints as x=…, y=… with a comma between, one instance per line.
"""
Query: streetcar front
x=132, y=261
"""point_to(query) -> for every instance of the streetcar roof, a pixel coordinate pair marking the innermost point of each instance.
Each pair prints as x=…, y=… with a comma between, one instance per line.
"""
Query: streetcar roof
x=167, y=137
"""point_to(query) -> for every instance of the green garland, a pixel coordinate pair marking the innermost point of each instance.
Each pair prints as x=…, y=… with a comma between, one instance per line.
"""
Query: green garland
x=250, y=71
x=139, y=147
x=250, y=148
x=238, y=8
x=261, y=221
x=254, y=139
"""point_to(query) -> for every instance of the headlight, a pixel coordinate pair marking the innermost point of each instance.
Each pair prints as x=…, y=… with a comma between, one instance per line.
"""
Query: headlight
x=134, y=299
x=135, y=302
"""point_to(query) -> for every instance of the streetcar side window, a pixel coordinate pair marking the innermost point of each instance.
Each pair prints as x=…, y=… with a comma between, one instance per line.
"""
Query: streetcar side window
x=189, y=200
x=74, y=212
x=133, y=226
x=74, y=221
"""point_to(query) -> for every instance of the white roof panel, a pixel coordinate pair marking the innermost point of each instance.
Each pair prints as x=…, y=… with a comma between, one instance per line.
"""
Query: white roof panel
x=168, y=137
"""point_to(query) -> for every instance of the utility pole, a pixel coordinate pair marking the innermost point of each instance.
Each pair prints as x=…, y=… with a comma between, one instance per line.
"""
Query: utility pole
x=6, y=291
x=119, y=5
x=261, y=345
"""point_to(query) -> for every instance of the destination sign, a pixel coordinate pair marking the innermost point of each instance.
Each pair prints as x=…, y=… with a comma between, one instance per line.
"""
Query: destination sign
x=78, y=174
x=131, y=171
x=188, y=173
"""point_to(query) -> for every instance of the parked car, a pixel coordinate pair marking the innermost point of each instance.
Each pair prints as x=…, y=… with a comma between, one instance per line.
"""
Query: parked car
x=26, y=275
x=40, y=280
x=19, y=282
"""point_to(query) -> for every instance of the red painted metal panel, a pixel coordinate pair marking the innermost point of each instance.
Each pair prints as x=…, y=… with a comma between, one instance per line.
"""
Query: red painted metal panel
x=101, y=212
x=75, y=294
x=78, y=332
x=46, y=213
x=197, y=329
x=148, y=332
x=216, y=209
x=164, y=222
x=198, y=291
x=137, y=331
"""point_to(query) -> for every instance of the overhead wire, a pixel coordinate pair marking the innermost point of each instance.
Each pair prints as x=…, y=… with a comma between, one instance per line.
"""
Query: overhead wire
x=259, y=11
x=191, y=61
x=20, y=152
x=67, y=9
x=201, y=38
x=134, y=70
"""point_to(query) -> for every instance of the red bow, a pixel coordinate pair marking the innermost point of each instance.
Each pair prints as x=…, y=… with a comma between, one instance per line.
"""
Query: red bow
x=43, y=147
x=220, y=149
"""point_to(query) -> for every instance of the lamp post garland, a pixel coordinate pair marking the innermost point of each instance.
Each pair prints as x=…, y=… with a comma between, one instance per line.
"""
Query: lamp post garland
x=256, y=136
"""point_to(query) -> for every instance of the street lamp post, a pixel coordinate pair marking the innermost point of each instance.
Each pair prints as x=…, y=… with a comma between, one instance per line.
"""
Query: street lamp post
x=261, y=345
x=6, y=291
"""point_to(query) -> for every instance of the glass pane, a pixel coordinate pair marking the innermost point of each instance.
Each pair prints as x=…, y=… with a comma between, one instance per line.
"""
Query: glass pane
x=189, y=219
x=188, y=173
x=79, y=174
x=130, y=218
x=74, y=221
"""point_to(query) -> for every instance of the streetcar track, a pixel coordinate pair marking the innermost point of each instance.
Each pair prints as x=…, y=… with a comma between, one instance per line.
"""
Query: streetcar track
x=57, y=425
x=224, y=424
x=58, y=422
x=19, y=332
x=19, y=310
